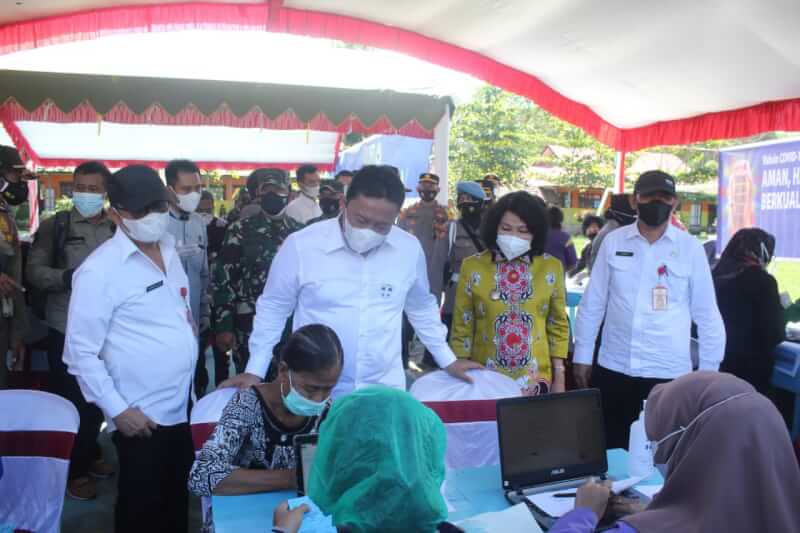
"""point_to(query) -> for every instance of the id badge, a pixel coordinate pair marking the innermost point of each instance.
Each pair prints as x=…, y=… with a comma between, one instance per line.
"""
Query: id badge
x=660, y=298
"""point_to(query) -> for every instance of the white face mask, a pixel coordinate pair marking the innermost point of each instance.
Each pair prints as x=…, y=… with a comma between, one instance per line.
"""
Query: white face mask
x=88, y=204
x=148, y=229
x=361, y=240
x=513, y=246
x=188, y=202
x=313, y=192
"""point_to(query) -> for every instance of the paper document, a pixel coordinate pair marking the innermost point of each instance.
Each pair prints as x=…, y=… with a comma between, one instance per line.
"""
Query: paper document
x=517, y=519
x=552, y=506
x=649, y=490
x=622, y=485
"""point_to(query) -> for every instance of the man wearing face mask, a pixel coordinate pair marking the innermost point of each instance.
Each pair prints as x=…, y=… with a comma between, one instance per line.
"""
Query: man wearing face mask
x=465, y=239
x=305, y=207
x=13, y=319
x=356, y=274
x=62, y=243
x=131, y=342
x=184, y=187
x=331, y=200
x=429, y=222
x=650, y=281
x=244, y=261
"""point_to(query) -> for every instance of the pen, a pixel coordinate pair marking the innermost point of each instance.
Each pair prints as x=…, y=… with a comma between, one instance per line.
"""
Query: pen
x=564, y=495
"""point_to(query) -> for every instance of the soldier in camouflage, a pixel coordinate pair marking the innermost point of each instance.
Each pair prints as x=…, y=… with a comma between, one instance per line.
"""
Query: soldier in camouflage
x=13, y=317
x=242, y=266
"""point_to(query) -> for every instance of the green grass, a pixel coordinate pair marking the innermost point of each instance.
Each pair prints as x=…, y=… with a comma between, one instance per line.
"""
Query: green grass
x=786, y=272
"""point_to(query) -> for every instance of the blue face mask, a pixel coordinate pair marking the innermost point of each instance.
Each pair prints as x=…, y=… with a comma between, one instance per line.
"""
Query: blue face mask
x=299, y=405
x=88, y=204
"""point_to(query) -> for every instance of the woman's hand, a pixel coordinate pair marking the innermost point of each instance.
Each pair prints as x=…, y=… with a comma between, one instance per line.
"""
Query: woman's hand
x=593, y=496
x=287, y=520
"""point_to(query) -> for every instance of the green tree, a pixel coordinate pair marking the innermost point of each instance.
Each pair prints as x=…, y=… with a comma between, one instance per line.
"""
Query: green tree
x=491, y=133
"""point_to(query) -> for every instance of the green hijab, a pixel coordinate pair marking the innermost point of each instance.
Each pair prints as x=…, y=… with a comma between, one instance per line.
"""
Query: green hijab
x=379, y=465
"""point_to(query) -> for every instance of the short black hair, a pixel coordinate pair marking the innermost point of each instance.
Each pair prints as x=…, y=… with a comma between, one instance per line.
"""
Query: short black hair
x=556, y=216
x=344, y=173
x=531, y=209
x=179, y=165
x=312, y=348
x=588, y=220
x=302, y=170
x=206, y=195
x=92, y=167
x=378, y=181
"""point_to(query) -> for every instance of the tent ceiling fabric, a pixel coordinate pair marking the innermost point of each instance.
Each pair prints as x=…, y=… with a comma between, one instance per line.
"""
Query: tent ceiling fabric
x=631, y=74
x=341, y=109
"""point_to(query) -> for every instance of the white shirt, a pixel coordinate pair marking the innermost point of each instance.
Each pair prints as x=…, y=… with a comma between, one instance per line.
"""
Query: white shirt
x=316, y=276
x=129, y=340
x=303, y=209
x=637, y=340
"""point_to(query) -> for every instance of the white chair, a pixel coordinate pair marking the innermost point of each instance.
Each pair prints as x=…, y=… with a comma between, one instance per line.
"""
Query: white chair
x=205, y=415
x=37, y=432
x=469, y=413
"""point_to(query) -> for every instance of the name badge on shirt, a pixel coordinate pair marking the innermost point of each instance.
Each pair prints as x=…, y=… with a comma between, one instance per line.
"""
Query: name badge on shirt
x=155, y=286
x=624, y=254
x=660, y=295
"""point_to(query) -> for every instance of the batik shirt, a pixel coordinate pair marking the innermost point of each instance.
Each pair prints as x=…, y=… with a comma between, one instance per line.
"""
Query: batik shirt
x=511, y=317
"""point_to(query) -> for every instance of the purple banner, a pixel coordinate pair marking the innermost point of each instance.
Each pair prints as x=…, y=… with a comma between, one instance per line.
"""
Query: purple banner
x=760, y=186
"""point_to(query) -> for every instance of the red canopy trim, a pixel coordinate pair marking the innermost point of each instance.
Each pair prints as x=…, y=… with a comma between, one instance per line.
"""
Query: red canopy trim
x=29, y=154
x=223, y=116
x=272, y=16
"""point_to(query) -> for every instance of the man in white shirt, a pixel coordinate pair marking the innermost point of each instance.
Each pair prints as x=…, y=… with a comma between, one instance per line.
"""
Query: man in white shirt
x=650, y=282
x=356, y=274
x=305, y=207
x=131, y=342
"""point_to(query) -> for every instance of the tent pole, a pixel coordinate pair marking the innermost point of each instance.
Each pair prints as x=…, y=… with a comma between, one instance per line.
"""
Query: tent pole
x=619, y=173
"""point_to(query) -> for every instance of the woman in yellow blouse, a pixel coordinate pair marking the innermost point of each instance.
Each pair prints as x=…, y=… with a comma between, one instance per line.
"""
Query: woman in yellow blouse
x=510, y=312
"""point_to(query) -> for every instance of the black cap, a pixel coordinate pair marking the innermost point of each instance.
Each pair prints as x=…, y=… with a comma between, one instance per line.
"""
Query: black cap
x=9, y=158
x=135, y=188
x=654, y=181
x=332, y=185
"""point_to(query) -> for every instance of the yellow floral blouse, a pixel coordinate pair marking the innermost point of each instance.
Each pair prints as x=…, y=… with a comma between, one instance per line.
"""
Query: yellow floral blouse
x=511, y=316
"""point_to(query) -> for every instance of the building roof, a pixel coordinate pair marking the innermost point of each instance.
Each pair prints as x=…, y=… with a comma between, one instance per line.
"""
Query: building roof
x=669, y=163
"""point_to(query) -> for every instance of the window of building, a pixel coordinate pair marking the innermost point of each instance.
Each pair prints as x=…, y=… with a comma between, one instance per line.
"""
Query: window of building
x=696, y=212
x=589, y=200
x=566, y=200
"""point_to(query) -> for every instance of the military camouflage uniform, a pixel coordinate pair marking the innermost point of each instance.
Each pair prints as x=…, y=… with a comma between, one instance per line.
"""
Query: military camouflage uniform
x=13, y=319
x=240, y=273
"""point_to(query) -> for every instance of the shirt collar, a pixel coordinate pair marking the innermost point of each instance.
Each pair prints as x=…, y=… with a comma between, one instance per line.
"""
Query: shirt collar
x=633, y=232
x=178, y=215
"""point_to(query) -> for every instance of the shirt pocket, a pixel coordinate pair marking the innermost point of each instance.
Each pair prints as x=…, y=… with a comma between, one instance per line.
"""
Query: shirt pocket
x=621, y=270
x=678, y=281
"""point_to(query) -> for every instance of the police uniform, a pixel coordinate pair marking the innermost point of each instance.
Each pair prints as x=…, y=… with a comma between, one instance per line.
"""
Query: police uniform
x=13, y=317
x=241, y=270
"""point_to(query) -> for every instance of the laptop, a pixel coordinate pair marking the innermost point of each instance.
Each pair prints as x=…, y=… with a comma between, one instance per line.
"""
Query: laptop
x=305, y=447
x=549, y=443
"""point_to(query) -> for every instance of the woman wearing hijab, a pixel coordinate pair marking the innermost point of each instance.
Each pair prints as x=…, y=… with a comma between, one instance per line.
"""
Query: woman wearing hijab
x=620, y=213
x=727, y=461
x=510, y=310
x=382, y=473
x=750, y=305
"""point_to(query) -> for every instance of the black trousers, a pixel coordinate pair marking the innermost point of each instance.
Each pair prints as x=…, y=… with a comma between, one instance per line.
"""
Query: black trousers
x=85, y=450
x=622, y=402
x=152, y=481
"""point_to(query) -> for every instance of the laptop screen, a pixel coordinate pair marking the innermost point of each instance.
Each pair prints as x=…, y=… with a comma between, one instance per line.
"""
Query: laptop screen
x=553, y=437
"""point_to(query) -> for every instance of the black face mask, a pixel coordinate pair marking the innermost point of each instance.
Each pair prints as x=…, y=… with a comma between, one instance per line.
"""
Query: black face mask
x=16, y=193
x=272, y=203
x=470, y=210
x=329, y=206
x=654, y=213
x=427, y=196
